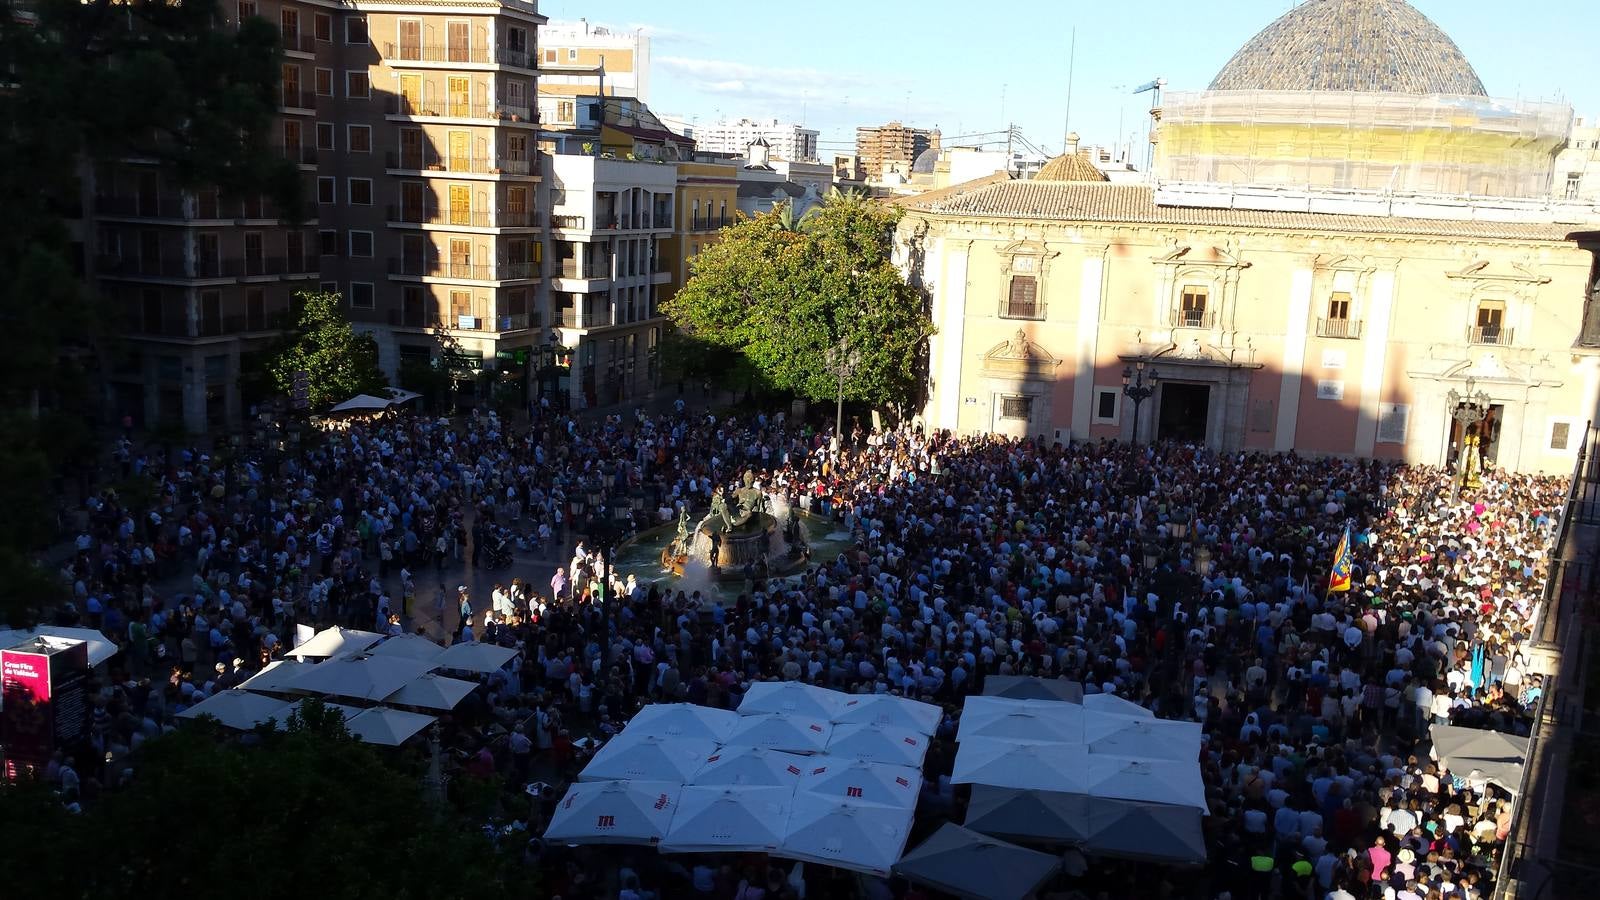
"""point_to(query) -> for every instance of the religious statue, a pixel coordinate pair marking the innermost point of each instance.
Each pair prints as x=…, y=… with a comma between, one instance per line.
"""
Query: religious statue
x=680, y=544
x=1471, y=460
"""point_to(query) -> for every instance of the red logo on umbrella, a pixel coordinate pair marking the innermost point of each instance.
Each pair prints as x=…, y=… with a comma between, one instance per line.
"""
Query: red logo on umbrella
x=606, y=822
x=794, y=770
x=852, y=792
x=902, y=782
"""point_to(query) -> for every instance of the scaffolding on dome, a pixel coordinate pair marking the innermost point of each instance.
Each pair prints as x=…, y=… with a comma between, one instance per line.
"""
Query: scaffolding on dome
x=1395, y=144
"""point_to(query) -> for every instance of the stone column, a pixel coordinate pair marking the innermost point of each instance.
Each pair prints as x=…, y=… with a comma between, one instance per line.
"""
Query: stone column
x=1294, y=357
x=950, y=309
x=1375, y=357
x=1090, y=292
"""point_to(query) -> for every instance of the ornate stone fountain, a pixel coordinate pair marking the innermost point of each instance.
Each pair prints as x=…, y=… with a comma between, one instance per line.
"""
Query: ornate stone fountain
x=729, y=537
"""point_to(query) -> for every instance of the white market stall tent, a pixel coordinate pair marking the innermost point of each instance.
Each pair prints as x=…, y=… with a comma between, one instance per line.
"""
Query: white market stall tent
x=1044, y=766
x=725, y=818
x=879, y=743
x=752, y=767
x=1475, y=754
x=336, y=641
x=410, y=646
x=790, y=733
x=967, y=864
x=474, y=656
x=863, y=782
x=890, y=711
x=388, y=727
x=360, y=677
x=861, y=837
x=431, y=691
x=792, y=698
x=100, y=647
x=615, y=812
x=647, y=757
x=685, y=720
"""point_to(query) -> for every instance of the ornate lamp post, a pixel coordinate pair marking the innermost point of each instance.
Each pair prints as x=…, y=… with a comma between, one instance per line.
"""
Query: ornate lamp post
x=1469, y=409
x=1135, y=389
x=842, y=362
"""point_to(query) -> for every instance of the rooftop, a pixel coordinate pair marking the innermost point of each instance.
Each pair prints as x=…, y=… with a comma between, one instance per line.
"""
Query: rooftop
x=1064, y=201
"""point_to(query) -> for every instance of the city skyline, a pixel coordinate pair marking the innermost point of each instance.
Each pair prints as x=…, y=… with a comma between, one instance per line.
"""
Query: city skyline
x=712, y=62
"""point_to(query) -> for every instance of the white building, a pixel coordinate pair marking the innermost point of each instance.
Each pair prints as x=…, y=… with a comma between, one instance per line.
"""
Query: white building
x=608, y=219
x=625, y=56
x=1577, y=169
x=788, y=141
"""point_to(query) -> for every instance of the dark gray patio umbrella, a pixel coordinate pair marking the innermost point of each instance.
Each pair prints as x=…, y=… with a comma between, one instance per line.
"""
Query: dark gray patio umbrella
x=967, y=864
x=1022, y=687
x=1125, y=829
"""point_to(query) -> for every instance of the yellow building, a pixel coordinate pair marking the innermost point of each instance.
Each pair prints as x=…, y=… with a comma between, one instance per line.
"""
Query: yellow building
x=1312, y=322
x=708, y=200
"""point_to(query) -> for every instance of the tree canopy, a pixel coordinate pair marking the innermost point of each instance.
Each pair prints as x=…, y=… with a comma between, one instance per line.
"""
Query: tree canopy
x=91, y=81
x=304, y=812
x=338, y=362
x=784, y=292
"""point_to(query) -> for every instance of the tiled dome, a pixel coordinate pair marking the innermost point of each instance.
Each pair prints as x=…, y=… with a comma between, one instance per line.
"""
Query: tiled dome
x=1370, y=46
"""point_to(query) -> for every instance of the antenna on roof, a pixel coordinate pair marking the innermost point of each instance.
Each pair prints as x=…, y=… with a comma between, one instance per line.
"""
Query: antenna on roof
x=1072, y=59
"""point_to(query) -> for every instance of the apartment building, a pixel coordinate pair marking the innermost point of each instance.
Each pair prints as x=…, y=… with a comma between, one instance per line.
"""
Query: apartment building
x=708, y=201
x=787, y=140
x=413, y=124
x=587, y=48
x=609, y=219
x=892, y=147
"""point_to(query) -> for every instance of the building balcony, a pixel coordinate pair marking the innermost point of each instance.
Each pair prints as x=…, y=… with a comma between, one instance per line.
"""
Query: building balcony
x=1193, y=318
x=430, y=318
x=457, y=109
x=298, y=43
x=613, y=222
x=398, y=215
x=571, y=223
x=1493, y=335
x=290, y=98
x=165, y=268
x=433, y=164
x=434, y=53
x=1019, y=309
x=466, y=271
x=1344, y=329
x=305, y=156
x=709, y=223
x=161, y=207
x=571, y=269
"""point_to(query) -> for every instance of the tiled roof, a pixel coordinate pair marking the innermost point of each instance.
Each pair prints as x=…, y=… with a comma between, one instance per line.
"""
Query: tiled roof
x=1065, y=201
x=1070, y=167
x=1351, y=45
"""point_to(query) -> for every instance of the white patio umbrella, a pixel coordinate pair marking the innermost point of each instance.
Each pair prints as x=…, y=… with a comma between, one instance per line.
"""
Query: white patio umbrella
x=879, y=743
x=887, y=709
x=751, y=766
x=336, y=642
x=388, y=727
x=862, y=837
x=100, y=647
x=1067, y=718
x=614, y=812
x=1113, y=704
x=409, y=646
x=364, y=677
x=795, y=734
x=648, y=757
x=239, y=709
x=362, y=403
x=723, y=818
x=861, y=781
x=792, y=698
x=684, y=720
x=278, y=676
x=1044, y=767
x=1022, y=727
x=1149, y=780
x=474, y=656
x=1118, y=735
x=432, y=692
x=400, y=395
x=345, y=711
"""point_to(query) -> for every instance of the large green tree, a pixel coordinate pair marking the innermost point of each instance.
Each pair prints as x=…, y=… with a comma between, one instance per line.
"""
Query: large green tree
x=89, y=82
x=785, y=292
x=304, y=812
x=338, y=362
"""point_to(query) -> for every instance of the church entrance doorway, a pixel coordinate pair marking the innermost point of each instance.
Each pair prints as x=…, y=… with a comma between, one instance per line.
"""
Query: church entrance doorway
x=1185, y=410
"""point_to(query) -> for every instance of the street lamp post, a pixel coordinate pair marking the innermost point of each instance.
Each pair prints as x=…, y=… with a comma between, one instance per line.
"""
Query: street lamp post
x=1469, y=409
x=842, y=362
x=1136, y=390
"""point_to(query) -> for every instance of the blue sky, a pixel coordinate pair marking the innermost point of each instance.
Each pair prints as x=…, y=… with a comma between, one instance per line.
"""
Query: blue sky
x=970, y=67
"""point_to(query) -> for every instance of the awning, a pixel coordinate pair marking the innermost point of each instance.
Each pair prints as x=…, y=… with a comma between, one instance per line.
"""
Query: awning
x=972, y=865
x=1474, y=754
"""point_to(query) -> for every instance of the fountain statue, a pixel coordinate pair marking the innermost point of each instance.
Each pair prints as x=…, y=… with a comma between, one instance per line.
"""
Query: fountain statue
x=734, y=535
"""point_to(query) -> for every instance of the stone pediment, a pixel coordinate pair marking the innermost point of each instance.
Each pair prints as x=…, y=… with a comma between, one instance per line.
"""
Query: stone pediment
x=1484, y=270
x=1019, y=357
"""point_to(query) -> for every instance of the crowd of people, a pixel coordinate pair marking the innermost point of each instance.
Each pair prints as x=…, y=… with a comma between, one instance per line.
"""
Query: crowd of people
x=1190, y=581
